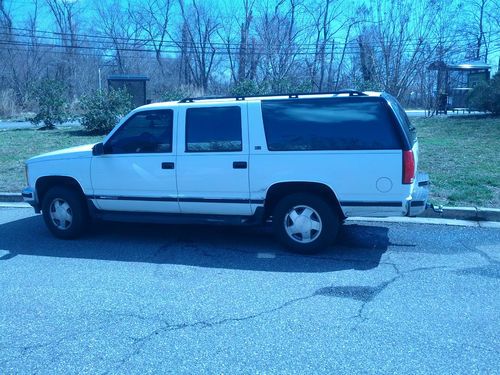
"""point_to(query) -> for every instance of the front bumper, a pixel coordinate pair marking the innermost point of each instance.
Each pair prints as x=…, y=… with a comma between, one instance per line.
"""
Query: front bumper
x=29, y=196
x=417, y=204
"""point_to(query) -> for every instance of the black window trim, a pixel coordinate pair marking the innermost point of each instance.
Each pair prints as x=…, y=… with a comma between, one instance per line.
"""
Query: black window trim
x=211, y=151
x=403, y=139
x=407, y=143
x=144, y=153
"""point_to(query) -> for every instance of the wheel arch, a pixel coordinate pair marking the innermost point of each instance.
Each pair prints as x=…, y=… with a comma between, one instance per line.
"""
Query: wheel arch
x=281, y=189
x=43, y=184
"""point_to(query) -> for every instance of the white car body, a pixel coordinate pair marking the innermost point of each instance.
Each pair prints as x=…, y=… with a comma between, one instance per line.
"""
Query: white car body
x=364, y=182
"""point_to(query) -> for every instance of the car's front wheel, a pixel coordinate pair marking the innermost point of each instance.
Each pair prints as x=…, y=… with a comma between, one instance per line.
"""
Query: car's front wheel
x=305, y=223
x=64, y=212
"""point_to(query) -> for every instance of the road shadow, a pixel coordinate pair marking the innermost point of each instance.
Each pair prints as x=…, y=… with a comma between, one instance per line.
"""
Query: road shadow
x=358, y=247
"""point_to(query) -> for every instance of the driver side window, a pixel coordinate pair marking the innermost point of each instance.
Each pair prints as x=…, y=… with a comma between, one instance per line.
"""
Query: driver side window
x=144, y=132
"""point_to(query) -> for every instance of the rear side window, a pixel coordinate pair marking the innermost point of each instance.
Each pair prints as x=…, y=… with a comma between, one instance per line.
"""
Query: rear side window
x=213, y=129
x=329, y=124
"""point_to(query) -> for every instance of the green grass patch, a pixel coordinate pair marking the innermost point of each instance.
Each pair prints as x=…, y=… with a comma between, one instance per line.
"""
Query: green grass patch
x=18, y=145
x=461, y=155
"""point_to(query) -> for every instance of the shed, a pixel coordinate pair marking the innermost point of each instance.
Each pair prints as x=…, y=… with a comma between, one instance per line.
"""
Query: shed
x=135, y=85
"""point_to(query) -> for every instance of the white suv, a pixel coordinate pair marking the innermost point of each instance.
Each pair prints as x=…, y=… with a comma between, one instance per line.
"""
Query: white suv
x=305, y=161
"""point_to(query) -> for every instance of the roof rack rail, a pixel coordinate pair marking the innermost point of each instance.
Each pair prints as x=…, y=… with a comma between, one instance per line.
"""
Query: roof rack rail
x=291, y=96
x=208, y=97
x=338, y=92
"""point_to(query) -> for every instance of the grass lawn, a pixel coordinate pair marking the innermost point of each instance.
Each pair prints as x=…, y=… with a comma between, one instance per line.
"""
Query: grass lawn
x=461, y=155
x=18, y=145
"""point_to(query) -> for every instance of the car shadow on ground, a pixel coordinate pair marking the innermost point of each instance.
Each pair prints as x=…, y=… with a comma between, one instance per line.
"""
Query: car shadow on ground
x=250, y=248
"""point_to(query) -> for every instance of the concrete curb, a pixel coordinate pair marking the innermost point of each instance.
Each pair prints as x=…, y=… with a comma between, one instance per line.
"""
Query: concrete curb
x=458, y=213
x=465, y=213
x=10, y=197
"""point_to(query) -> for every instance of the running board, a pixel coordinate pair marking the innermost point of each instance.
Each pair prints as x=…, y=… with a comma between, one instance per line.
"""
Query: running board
x=164, y=218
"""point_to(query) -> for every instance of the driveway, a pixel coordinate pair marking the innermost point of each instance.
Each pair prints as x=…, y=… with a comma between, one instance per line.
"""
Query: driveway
x=388, y=298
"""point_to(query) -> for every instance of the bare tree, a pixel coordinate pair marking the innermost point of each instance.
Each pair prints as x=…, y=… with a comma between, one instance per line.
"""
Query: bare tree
x=64, y=13
x=385, y=44
x=123, y=36
x=185, y=57
x=198, y=45
x=65, y=16
x=5, y=30
x=153, y=20
x=25, y=59
x=278, y=37
x=326, y=20
x=247, y=58
x=393, y=47
x=345, y=45
x=478, y=26
x=242, y=54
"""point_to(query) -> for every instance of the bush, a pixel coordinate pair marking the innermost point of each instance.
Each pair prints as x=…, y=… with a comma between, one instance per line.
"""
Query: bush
x=486, y=96
x=247, y=87
x=103, y=109
x=178, y=93
x=49, y=95
x=278, y=86
x=288, y=86
x=370, y=86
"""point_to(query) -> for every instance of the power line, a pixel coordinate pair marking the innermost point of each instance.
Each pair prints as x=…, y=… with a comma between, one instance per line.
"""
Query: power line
x=173, y=49
x=169, y=48
x=189, y=50
x=107, y=38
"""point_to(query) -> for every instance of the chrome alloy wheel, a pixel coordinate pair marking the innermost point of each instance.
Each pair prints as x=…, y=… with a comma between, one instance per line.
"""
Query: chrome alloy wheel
x=303, y=224
x=61, y=214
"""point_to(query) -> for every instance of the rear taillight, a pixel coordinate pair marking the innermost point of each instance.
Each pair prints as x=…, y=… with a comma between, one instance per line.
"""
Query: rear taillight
x=408, y=167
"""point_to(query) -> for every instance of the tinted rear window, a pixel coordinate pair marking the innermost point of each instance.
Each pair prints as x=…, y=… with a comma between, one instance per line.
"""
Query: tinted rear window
x=213, y=129
x=329, y=124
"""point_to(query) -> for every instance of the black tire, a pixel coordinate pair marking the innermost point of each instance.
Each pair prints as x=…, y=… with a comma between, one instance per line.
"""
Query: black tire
x=318, y=221
x=61, y=201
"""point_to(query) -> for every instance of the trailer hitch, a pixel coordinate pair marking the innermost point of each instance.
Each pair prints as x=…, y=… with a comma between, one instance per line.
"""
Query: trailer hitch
x=436, y=209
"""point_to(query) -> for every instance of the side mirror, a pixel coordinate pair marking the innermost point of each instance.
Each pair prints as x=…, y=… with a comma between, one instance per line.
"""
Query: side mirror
x=98, y=149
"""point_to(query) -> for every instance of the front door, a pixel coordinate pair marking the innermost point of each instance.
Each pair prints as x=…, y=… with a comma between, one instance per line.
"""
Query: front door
x=212, y=159
x=137, y=171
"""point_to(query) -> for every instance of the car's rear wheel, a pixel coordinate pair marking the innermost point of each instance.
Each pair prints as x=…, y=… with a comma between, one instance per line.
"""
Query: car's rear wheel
x=305, y=223
x=64, y=212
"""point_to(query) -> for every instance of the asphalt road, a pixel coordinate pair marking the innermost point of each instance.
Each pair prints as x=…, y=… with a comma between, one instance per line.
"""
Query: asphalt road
x=388, y=298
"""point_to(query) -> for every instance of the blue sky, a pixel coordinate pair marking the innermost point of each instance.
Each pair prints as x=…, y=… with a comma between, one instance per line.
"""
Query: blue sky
x=20, y=8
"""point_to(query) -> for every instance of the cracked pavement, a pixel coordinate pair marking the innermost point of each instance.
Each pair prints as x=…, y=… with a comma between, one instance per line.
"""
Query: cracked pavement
x=387, y=298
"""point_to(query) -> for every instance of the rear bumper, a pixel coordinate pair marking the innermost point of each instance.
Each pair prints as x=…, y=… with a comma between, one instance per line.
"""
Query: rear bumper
x=29, y=196
x=417, y=203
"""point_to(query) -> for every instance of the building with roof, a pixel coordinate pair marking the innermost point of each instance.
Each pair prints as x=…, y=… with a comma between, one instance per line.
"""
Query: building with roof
x=135, y=85
x=455, y=81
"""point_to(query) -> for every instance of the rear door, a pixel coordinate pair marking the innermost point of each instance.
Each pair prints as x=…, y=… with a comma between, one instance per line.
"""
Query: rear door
x=212, y=159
